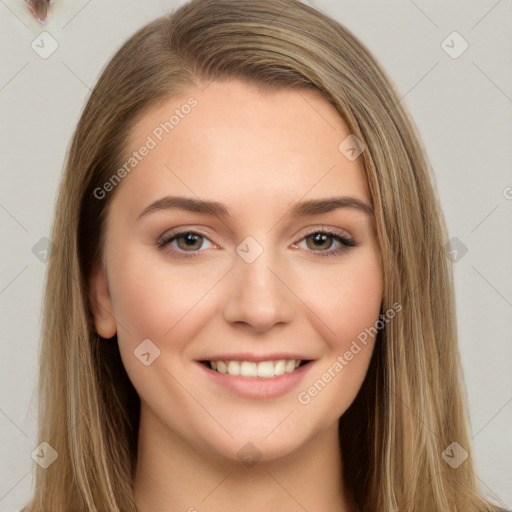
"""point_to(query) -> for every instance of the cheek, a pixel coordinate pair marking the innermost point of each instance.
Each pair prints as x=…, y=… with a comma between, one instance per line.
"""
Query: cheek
x=348, y=310
x=347, y=298
x=153, y=300
x=150, y=300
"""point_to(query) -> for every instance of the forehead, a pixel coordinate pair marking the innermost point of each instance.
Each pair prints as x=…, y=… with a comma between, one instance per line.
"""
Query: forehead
x=241, y=145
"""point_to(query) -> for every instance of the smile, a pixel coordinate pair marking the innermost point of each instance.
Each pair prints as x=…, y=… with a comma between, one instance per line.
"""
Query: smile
x=257, y=380
x=253, y=369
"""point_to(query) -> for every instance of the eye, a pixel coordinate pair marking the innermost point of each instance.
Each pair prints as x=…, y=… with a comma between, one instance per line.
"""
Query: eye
x=189, y=243
x=322, y=240
x=186, y=241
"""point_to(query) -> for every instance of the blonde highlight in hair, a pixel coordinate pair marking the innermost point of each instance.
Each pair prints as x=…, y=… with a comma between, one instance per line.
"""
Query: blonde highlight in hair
x=412, y=403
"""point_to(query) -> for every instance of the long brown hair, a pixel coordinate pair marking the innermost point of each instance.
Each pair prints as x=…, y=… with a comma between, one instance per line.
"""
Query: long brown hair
x=411, y=406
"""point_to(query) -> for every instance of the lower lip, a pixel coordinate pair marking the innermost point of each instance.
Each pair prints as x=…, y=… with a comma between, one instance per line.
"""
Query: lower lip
x=258, y=387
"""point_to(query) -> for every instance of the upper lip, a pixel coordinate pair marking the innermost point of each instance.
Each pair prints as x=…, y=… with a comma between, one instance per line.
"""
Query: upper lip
x=276, y=356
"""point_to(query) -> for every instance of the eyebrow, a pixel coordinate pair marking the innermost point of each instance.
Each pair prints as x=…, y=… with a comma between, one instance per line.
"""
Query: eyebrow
x=299, y=209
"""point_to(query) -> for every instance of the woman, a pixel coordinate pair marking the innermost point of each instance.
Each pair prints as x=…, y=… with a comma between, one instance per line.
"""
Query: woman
x=249, y=305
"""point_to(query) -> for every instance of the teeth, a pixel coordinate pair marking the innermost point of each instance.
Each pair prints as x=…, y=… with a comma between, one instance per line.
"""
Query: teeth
x=248, y=369
x=233, y=368
x=279, y=367
x=290, y=366
x=263, y=369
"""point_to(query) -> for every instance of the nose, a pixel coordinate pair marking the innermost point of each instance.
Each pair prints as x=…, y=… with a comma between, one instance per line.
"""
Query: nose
x=259, y=295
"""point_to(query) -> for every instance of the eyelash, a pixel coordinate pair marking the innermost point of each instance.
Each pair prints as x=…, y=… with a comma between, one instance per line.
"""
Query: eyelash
x=346, y=243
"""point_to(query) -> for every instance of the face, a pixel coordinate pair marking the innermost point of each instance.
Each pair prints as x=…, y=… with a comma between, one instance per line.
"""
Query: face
x=262, y=282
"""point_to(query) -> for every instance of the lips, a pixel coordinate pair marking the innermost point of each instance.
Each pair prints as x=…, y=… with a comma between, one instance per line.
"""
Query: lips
x=256, y=377
x=254, y=387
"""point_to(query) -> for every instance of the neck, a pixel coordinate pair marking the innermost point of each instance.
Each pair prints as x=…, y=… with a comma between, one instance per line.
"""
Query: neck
x=171, y=475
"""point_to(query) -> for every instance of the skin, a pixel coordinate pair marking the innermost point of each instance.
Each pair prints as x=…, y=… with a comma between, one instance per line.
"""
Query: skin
x=257, y=153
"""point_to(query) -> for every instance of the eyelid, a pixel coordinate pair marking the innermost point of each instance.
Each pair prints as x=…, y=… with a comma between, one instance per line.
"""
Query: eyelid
x=170, y=235
x=341, y=235
x=319, y=228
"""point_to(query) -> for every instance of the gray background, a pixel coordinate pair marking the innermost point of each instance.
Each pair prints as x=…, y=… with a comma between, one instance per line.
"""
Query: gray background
x=462, y=107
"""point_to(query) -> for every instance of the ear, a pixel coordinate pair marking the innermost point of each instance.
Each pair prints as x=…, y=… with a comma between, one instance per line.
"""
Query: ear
x=101, y=304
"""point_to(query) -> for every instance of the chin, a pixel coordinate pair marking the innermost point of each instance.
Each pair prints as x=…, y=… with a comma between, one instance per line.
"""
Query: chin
x=255, y=441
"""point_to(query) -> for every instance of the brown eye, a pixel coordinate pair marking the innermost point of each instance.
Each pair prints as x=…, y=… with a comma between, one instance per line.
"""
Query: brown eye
x=324, y=242
x=320, y=241
x=189, y=241
x=184, y=243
